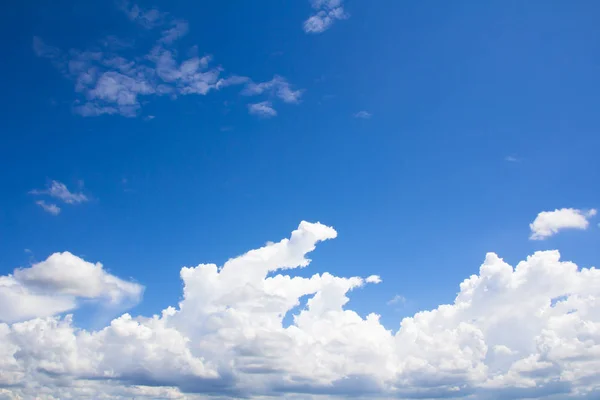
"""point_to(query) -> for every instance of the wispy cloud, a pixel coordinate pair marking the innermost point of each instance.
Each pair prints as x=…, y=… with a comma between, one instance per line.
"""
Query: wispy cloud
x=177, y=30
x=147, y=18
x=231, y=81
x=110, y=84
x=48, y=207
x=115, y=43
x=549, y=223
x=263, y=109
x=278, y=86
x=326, y=13
x=60, y=191
x=397, y=299
x=511, y=159
x=363, y=115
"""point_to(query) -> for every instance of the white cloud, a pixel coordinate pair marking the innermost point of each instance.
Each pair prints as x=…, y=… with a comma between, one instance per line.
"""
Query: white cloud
x=230, y=81
x=18, y=302
x=326, y=13
x=363, y=115
x=60, y=191
x=178, y=29
x=110, y=84
x=55, y=285
x=373, y=279
x=65, y=273
x=95, y=110
x=263, y=109
x=148, y=18
x=396, y=299
x=48, y=207
x=278, y=86
x=548, y=223
x=532, y=331
x=511, y=159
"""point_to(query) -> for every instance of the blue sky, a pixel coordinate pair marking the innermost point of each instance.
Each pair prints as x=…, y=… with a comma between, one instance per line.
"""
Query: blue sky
x=427, y=134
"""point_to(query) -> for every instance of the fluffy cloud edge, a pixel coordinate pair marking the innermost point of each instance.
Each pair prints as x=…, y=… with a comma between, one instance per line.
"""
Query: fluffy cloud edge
x=57, y=285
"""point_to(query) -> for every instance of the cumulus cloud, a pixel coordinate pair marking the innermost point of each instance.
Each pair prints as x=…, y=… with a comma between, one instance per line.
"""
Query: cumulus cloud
x=55, y=285
x=48, y=207
x=549, y=223
x=18, y=302
x=108, y=83
x=532, y=331
x=65, y=273
x=326, y=13
x=263, y=109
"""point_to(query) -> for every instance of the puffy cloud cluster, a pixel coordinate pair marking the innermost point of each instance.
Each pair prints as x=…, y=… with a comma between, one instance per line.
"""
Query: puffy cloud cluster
x=549, y=223
x=532, y=331
x=326, y=13
x=108, y=83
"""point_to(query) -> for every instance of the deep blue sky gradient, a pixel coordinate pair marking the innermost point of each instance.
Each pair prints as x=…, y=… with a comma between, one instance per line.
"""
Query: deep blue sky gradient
x=418, y=193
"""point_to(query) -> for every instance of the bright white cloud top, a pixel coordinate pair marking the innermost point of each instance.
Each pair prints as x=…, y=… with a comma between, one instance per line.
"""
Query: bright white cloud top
x=549, y=223
x=528, y=331
x=57, y=284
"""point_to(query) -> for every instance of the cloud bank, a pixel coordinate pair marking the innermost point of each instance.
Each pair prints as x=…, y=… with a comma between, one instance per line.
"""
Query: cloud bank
x=528, y=331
